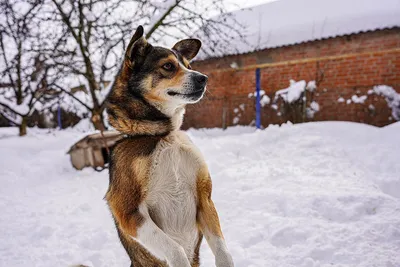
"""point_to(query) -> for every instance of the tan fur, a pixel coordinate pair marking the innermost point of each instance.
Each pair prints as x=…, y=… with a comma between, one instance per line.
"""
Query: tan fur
x=169, y=59
x=155, y=89
x=129, y=181
x=207, y=216
x=186, y=63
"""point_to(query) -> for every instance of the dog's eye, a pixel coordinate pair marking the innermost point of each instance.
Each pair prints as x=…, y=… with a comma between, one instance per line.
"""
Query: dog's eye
x=168, y=66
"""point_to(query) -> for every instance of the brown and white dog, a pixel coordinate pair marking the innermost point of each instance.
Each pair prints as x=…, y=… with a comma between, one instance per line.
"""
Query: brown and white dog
x=160, y=187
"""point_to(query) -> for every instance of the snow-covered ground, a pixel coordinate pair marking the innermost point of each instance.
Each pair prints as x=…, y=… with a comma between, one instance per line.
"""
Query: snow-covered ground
x=315, y=194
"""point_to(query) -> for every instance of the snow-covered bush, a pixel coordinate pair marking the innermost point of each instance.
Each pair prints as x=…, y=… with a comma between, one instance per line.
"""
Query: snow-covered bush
x=295, y=102
x=387, y=92
x=392, y=98
x=238, y=113
x=264, y=98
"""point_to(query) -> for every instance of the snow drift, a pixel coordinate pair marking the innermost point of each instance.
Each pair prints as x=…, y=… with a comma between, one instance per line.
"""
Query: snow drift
x=314, y=194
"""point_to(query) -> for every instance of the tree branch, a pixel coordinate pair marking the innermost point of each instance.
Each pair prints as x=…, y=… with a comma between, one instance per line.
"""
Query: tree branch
x=12, y=110
x=160, y=21
x=74, y=97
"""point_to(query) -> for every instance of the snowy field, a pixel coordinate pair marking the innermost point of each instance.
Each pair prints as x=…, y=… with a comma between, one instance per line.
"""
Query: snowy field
x=316, y=194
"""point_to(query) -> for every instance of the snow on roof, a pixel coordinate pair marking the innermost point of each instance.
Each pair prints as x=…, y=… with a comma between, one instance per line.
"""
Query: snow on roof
x=288, y=22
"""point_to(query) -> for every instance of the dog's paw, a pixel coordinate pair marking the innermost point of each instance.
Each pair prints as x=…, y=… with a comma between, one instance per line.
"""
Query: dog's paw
x=179, y=259
x=224, y=260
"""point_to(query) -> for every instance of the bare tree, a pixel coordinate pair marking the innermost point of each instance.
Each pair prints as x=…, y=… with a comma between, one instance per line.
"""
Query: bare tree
x=24, y=73
x=95, y=34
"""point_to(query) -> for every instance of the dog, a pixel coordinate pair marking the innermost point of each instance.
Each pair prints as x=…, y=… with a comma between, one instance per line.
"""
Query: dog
x=160, y=187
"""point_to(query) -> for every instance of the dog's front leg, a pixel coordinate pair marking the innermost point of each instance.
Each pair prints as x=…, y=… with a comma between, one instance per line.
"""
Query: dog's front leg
x=157, y=242
x=209, y=222
x=138, y=224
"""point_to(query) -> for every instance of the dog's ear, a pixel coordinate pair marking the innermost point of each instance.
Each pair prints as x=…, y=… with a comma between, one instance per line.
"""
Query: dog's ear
x=188, y=48
x=138, y=47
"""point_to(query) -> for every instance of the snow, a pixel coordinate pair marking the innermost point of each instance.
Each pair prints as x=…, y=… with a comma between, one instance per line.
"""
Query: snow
x=314, y=105
x=340, y=100
x=8, y=98
x=359, y=99
x=311, y=86
x=262, y=92
x=162, y=7
x=293, y=92
x=312, y=109
x=89, y=15
x=315, y=194
x=392, y=98
x=84, y=125
x=265, y=100
x=234, y=65
x=288, y=22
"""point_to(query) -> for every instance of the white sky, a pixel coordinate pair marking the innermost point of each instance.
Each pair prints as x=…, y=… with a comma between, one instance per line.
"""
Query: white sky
x=238, y=4
x=231, y=5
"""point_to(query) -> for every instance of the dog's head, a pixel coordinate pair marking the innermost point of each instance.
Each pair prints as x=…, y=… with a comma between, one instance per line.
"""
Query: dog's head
x=164, y=76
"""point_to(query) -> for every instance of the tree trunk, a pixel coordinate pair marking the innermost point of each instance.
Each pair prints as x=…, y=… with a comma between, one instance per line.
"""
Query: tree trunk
x=23, y=126
x=98, y=121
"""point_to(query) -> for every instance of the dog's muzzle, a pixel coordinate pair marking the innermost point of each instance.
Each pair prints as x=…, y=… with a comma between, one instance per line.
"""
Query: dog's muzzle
x=194, y=86
x=199, y=82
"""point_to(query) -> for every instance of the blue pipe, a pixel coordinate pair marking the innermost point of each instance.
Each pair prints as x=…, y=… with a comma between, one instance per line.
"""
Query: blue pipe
x=258, y=105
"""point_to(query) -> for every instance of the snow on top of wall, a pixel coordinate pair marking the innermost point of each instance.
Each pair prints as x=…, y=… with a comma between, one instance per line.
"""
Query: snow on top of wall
x=288, y=22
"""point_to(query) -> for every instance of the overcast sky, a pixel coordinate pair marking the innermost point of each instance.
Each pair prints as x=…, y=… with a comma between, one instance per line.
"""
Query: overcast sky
x=237, y=4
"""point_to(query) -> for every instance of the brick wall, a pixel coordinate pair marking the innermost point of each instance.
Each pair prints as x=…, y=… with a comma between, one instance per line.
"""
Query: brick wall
x=345, y=66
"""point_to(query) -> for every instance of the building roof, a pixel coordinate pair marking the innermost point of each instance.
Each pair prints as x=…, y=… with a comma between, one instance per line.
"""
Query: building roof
x=288, y=22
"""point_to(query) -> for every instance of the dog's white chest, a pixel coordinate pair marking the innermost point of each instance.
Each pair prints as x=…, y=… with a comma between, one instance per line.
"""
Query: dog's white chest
x=172, y=190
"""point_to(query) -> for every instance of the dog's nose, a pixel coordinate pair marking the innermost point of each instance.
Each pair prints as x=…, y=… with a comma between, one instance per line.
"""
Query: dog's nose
x=201, y=79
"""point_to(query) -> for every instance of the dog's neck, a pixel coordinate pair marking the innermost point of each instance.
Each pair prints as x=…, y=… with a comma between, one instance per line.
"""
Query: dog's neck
x=134, y=116
x=174, y=111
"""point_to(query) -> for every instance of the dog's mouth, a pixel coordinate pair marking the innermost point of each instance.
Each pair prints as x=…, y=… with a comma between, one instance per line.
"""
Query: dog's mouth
x=191, y=94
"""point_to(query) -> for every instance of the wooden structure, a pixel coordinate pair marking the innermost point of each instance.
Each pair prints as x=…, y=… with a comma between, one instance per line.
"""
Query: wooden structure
x=92, y=150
